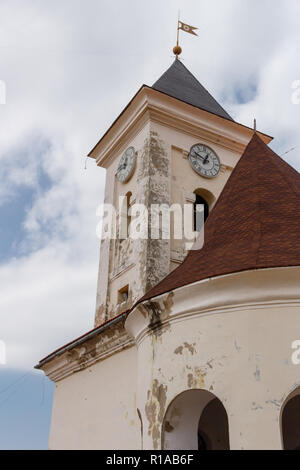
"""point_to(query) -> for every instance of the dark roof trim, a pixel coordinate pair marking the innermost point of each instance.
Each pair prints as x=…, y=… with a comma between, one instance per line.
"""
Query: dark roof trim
x=81, y=339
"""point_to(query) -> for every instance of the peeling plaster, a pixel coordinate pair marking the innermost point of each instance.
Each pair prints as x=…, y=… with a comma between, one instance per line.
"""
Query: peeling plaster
x=150, y=257
x=196, y=379
x=153, y=188
x=155, y=410
x=189, y=347
x=158, y=315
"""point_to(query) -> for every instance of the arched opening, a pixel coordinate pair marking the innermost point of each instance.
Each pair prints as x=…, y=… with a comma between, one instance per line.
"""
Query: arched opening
x=206, y=199
x=128, y=196
x=200, y=217
x=125, y=217
x=213, y=436
x=195, y=420
x=290, y=422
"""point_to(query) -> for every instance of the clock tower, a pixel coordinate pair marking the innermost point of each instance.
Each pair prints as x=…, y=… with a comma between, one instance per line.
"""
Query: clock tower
x=172, y=144
x=182, y=354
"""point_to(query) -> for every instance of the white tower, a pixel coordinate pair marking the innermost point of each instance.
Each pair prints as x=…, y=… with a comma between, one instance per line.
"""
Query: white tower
x=159, y=126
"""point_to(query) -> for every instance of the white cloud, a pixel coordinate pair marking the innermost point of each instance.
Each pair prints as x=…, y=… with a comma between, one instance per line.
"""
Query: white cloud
x=47, y=299
x=70, y=67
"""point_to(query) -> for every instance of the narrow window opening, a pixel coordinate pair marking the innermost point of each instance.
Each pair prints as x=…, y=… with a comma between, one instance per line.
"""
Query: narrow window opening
x=198, y=218
x=123, y=294
x=129, y=196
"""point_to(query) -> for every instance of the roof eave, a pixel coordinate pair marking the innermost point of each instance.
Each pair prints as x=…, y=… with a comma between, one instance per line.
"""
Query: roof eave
x=80, y=340
x=134, y=103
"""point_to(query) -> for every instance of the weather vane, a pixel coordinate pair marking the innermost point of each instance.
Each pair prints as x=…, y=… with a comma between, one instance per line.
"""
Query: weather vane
x=185, y=27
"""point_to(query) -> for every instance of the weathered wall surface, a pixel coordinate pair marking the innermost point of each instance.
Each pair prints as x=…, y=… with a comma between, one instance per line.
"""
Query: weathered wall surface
x=117, y=266
x=153, y=189
x=231, y=336
x=138, y=263
x=96, y=407
x=184, y=181
x=163, y=175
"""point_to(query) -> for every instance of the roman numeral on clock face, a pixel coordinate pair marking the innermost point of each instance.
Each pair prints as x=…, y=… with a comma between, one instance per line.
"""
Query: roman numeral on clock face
x=204, y=161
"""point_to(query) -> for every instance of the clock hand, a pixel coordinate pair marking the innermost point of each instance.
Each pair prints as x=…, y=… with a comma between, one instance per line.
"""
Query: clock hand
x=121, y=167
x=198, y=155
x=205, y=159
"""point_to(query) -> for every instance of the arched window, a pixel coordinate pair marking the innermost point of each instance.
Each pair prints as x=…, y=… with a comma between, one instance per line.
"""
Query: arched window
x=200, y=217
x=125, y=217
x=195, y=420
x=213, y=427
x=207, y=199
x=290, y=420
x=128, y=196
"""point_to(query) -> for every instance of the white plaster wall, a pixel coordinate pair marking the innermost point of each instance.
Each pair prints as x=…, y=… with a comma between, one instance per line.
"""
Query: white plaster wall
x=96, y=407
x=241, y=353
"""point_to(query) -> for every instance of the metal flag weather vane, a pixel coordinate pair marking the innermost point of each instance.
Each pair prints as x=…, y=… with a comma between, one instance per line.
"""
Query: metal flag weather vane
x=184, y=27
x=187, y=28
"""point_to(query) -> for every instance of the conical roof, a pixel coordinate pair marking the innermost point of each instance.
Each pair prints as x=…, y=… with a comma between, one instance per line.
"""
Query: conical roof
x=255, y=223
x=179, y=83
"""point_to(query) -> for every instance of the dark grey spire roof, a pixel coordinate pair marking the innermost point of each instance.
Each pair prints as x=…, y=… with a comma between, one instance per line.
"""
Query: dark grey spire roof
x=179, y=83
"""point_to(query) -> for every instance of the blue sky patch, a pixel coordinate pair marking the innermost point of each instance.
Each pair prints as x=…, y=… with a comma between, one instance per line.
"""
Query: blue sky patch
x=25, y=410
x=13, y=213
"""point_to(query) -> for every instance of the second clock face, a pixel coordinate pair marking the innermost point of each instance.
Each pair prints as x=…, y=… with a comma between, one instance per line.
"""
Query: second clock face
x=127, y=165
x=204, y=161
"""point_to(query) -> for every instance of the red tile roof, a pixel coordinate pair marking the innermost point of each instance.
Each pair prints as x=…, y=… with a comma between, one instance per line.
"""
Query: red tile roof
x=255, y=223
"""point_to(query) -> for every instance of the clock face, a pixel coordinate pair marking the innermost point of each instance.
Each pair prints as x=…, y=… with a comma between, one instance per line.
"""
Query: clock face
x=127, y=165
x=204, y=161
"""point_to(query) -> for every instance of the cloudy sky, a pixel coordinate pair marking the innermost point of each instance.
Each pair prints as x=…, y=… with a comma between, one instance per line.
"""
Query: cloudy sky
x=69, y=67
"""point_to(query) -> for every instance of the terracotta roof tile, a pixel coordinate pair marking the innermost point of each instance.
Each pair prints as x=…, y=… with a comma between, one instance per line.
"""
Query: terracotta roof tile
x=255, y=223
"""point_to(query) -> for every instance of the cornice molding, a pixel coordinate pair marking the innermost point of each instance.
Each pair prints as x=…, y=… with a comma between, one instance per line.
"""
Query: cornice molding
x=257, y=289
x=108, y=342
x=192, y=128
x=150, y=105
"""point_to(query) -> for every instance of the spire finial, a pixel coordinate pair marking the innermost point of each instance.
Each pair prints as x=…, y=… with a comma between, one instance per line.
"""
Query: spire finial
x=177, y=49
x=185, y=27
x=255, y=126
